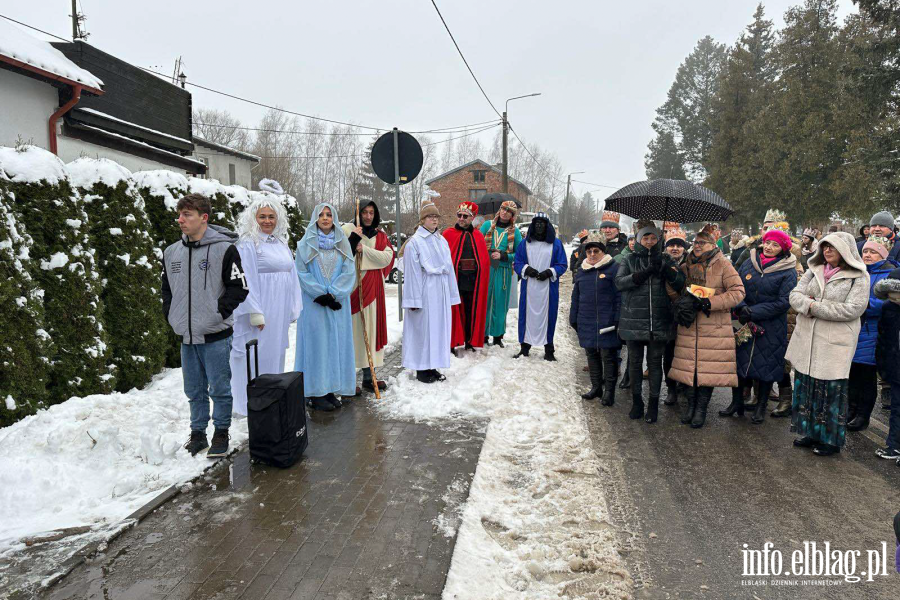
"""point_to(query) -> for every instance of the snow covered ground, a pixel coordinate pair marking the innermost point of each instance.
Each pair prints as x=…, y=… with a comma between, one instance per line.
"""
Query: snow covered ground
x=535, y=524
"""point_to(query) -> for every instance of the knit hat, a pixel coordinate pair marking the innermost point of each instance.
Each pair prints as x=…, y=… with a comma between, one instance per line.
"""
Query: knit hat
x=597, y=240
x=428, y=209
x=879, y=244
x=646, y=230
x=676, y=237
x=469, y=208
x=883, y=218
x=610, y=224
x=783, y=239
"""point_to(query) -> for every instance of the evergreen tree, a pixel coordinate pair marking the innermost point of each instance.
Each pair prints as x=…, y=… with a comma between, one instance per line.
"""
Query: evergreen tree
x=663, y=160
x=129, y=272
x=25, y=346
x=62, y=264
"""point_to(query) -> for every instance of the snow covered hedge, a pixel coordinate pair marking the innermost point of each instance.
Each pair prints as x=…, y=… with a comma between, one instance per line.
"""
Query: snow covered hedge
x=80, y=263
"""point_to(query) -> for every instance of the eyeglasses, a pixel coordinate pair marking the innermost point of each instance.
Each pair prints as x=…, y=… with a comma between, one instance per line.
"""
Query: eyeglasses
x=463, y=216
x=592, y=251
x=701, y=243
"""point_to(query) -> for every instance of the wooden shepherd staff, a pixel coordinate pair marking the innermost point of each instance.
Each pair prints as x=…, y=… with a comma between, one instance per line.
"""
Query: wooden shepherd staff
x=362, y=314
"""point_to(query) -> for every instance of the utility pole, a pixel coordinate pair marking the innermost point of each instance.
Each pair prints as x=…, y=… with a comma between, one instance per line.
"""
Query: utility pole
x=75, y=35
x=505, y=154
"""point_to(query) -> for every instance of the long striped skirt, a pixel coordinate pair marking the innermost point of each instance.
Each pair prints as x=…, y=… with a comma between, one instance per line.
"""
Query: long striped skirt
x=819, y=409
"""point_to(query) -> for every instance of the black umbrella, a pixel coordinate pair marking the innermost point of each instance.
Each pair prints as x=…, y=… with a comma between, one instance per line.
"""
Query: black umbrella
x=490, y=203
x=669, y=200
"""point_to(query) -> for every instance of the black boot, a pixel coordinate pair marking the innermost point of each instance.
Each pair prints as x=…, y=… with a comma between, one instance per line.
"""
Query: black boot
x=548, y=352
x=610, y=372
x=652, y=409
x=703, y=397
x=218, y=447
x=320, y=403
x=524, y=350
x=858, y=423
x=425, y=376
x=691, y=407
x=498, y=341
x=671, y=395
x=637, y=407
x=785, y=401
x=751, y=397
x=595, y=368
x=737, y=403
x=759, y=414
x=437, y=375
x=197, y=442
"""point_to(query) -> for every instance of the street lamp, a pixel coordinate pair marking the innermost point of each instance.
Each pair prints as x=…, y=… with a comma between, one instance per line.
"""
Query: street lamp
x=568, y=186
x=506, y=139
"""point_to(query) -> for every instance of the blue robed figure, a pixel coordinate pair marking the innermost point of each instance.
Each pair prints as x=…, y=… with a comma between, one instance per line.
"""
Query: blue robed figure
x=327, y=275
x=540, y=262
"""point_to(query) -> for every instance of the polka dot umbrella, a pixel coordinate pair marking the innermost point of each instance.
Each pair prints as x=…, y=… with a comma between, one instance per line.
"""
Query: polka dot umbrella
x=669, y=200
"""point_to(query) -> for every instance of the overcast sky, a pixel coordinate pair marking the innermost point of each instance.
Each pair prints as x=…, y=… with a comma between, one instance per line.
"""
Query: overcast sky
x=602, y=67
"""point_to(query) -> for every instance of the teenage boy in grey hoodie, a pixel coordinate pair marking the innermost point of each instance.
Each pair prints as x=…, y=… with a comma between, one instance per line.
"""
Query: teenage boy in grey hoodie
x=202, y=284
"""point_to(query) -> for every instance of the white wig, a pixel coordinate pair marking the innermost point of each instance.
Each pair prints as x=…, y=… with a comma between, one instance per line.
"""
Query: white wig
x=249, y=229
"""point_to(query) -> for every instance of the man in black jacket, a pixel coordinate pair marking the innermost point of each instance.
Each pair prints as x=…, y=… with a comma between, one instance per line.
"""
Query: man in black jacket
x=645, y=320
x=202, y=284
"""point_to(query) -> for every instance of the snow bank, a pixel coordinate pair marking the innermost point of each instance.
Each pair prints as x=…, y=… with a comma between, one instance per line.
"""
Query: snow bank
x=25, y=48
x=84, y=172
x=30, y=164
x=159, y=182
x=535, y=525
x=94, y=460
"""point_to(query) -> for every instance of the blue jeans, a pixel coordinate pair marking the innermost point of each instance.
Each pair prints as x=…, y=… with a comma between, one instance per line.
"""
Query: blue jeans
x=206, y=369
x=893, y=436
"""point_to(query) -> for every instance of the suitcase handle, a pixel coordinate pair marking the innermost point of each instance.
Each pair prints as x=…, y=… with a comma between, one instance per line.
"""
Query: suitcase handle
x=255, y=344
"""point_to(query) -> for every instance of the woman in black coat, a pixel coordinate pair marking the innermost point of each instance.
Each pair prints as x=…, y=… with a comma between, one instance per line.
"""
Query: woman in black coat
x=595, y=306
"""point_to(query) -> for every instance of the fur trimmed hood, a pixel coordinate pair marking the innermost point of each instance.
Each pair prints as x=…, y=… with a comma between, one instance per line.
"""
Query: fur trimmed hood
x=887, y=285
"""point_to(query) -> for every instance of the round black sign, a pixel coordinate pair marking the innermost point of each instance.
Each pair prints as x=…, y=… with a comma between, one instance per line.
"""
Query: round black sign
x=409, y=152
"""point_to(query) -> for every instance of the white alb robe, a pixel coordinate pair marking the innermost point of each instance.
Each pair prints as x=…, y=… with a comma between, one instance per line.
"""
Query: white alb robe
x=429, y=284
x=537, y=303
x=274, y=292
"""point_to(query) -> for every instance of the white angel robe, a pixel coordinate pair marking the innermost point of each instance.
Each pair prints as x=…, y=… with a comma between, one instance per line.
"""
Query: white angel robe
x=275, y=294
x=429, y=284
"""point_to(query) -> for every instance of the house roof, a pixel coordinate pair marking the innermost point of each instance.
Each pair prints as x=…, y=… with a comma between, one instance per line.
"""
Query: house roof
x=199, y=141
x=19, y=49
x=478, y=161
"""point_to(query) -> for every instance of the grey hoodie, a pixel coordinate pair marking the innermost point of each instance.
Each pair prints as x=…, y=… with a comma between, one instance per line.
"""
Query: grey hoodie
x=202, y=284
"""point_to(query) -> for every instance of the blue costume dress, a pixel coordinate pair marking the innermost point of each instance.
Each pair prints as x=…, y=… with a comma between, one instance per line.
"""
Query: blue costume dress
x=325, y=336
x=539, y=300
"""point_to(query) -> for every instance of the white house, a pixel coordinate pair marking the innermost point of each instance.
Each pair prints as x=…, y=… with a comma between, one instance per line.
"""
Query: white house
x=229, y=166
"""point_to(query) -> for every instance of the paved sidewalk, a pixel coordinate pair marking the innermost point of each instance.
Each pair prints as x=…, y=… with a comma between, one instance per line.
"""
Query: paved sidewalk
x=357, y=518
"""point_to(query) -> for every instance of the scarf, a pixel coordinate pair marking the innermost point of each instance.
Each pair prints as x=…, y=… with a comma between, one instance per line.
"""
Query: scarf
x=830, y=271
x=696, y=267
x=585, y=266
x=326, y=241
x=765, y=261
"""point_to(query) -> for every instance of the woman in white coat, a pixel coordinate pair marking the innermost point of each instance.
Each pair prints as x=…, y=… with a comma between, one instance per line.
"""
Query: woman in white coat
x=829, y=300
x=274, y=299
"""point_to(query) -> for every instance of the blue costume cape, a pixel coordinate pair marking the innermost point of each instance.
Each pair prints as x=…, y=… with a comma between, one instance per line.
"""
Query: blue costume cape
x=325, y=336
x=558, y=262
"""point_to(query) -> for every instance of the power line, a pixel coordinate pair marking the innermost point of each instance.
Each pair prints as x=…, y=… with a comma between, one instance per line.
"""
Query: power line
x=458, y=129
x=35, y=28
x=612, y=187
x=536, y=161
x=464, y=58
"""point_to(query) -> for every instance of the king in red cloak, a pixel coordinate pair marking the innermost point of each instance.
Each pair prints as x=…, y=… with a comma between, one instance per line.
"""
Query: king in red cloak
x=472, y=265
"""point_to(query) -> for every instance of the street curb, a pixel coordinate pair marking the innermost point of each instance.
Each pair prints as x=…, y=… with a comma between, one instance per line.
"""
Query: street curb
x=91, y=548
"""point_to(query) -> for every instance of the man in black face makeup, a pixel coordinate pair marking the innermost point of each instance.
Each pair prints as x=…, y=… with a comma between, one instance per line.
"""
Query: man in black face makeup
x=540, y=262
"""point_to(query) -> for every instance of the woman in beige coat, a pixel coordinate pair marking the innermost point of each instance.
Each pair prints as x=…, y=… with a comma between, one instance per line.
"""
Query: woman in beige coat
x=704, y=350
x=829, y=300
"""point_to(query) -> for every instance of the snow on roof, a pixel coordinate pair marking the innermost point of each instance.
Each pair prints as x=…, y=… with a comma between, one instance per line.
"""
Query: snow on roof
x=159, y=182
x=84, y=172
x=130, y=124
x=20, y=46
x=30, y=164
x=224, y=148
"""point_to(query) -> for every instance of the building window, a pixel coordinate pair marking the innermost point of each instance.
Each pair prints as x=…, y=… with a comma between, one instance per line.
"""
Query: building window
x=232, y=177
x=479, y=176
x=475, y=195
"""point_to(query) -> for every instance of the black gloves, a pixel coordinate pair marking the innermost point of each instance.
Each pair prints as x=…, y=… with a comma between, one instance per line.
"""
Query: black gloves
x=684, y=311
x=702, y=305
x=744, y=315
x=670, y=273
x=641, y=277
x=544, y=275
x=656, y=263
x=531, y=272
x=324, y=299
x=334, y=304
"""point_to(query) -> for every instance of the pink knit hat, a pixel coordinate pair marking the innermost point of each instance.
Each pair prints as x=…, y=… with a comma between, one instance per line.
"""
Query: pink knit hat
x=879, y=245
x=783, y=239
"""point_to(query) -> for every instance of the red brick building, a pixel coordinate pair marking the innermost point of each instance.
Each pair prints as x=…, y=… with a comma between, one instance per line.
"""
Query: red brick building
x=470, y=182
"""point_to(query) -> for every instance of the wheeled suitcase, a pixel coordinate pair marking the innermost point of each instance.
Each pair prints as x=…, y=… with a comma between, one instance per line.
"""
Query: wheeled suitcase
x=276, y=415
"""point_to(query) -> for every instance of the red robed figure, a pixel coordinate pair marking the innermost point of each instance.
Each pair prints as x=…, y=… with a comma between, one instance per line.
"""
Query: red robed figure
x=372, y=286
x=455, y=238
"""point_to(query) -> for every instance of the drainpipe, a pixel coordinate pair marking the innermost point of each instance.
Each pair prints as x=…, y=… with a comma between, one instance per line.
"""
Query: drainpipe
x=76, y=96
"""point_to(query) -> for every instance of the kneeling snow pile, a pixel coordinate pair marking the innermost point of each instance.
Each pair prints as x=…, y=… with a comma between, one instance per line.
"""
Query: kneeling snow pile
x=536, y=524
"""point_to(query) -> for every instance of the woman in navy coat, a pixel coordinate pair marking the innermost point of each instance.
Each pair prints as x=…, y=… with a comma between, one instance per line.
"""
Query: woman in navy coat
x=595, y=306
x=768, y=276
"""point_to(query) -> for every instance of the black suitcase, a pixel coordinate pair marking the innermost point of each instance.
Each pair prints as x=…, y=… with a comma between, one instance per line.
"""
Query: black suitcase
x=276, y=415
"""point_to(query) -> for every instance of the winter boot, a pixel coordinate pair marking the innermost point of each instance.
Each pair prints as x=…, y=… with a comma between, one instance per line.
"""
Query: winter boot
x=219, y=446
x=498, y=341
x=652, y=409
x=886, y=397
x=703, y=397
x=759, y=414
x=197, y=442
x=595, y=367
x=549, y=352
x=737, y=403
x=671, y=395
x=610, y=372
x=524, y=350
x=626, y=378
x=437, y=375
x=424, y=376
x=859, y=423
x=785, y=400
x=691, y=407
x=469, y=347
x=751, y=402
x=320, y=403
x=334, y=400
x=637, y=407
